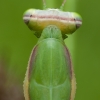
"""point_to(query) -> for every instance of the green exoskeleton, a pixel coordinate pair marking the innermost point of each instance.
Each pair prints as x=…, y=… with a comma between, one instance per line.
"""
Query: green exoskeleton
x=50, y=74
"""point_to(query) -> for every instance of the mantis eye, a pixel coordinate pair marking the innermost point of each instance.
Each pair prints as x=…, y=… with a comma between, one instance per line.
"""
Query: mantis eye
x=27, y=15
x=78, y=20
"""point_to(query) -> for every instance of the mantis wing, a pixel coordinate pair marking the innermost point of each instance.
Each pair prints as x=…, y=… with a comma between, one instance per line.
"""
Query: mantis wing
x=49, y=74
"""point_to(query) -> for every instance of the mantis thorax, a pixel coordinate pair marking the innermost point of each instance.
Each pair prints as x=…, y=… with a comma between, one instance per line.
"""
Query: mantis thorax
x=51, y=31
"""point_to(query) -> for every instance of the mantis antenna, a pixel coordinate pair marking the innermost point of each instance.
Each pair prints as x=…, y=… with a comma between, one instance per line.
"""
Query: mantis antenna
x=44, y=4
x=61, y=7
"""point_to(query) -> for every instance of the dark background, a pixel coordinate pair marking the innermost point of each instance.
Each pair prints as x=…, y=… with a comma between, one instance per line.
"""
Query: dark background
x=17, y=41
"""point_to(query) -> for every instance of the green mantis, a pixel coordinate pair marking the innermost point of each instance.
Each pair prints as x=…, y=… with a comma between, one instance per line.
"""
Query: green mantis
x=50, y=74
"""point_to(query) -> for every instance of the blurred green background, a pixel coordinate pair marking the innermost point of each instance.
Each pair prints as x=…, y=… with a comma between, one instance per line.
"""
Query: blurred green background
x=17, y=41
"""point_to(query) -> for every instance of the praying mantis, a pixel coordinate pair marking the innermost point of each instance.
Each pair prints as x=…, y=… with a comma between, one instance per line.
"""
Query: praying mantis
x=50, y=74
